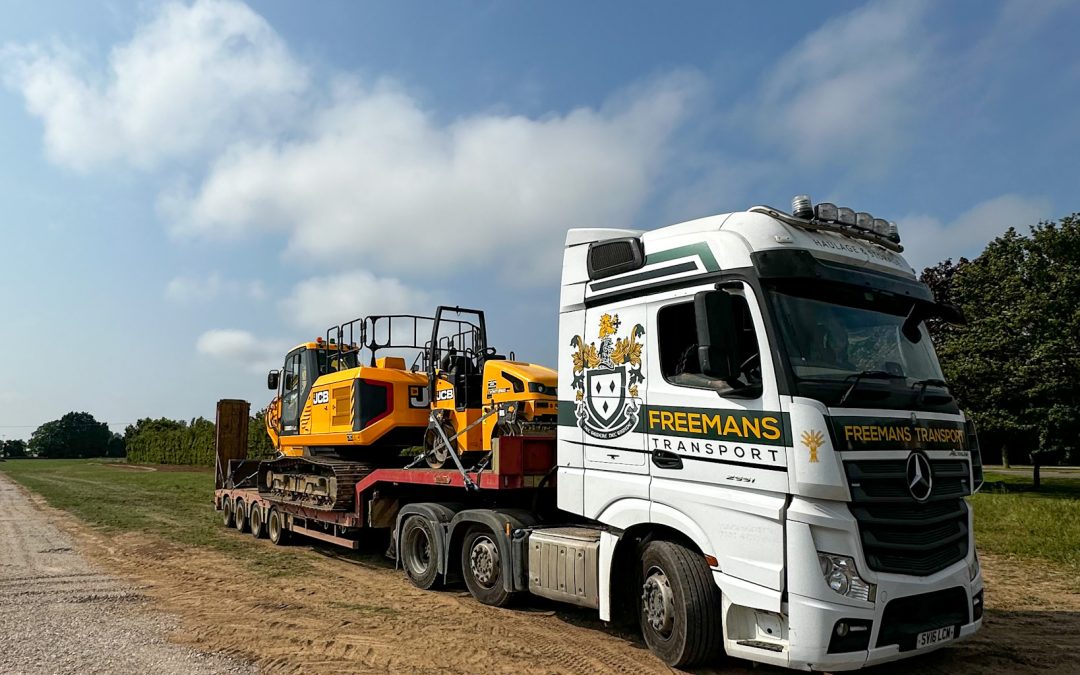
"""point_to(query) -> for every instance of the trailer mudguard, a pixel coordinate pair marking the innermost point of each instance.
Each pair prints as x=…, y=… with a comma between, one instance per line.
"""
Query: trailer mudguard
x=438, y=513
x=512, y=563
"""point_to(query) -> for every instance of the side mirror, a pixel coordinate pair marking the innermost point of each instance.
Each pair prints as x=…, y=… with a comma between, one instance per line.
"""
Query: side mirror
x=715, y=315
x=951, y=313
x=272, y=379
x=910, y=329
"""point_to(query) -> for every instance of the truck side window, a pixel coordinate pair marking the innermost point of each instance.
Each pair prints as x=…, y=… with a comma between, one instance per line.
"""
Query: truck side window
x=678, y=346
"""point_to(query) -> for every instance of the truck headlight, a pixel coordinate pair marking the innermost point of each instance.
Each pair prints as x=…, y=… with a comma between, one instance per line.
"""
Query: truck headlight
x=973, y=568
x=841, y=575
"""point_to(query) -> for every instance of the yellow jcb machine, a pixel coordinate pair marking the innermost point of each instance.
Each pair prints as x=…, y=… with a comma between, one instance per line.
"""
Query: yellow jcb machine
x=478, y=394
x=336, y=419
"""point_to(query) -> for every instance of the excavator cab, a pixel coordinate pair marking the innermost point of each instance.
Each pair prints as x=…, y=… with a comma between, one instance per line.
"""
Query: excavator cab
x=303, y=365
x=476, y=392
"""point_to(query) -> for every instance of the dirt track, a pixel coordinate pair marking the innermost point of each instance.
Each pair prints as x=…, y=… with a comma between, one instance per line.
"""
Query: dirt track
x=359, y=615
x=61, y=614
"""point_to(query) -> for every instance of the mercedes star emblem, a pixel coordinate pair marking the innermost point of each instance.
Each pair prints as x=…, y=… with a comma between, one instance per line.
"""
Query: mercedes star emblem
x=920, y=481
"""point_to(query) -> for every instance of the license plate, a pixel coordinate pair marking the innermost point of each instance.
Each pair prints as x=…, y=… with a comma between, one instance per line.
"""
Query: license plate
x=936, y=636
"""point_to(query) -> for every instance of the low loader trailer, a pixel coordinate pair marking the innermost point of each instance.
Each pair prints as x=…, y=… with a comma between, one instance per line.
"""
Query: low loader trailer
x=748, y=446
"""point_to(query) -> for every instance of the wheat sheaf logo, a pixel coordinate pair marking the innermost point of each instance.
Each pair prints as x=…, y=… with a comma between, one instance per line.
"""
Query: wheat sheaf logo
x=813, y=440
x=607, y=378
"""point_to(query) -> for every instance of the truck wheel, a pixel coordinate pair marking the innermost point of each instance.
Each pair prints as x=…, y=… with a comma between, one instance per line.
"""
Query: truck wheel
x=419, y=552
x=255, y=521
x=239, y=515
x=481, y=565
x=275, y=527
x=680, y=605
x=226, y=512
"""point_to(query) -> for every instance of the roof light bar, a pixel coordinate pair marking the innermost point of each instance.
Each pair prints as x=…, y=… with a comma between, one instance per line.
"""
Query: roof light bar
x=842, y=217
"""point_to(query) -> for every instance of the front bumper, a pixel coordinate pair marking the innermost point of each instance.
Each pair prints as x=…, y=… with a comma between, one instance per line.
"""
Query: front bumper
x=814, y=623
x=805, y=632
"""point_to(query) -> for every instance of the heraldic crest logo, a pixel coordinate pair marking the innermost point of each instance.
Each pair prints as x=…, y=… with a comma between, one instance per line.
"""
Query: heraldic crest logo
x=607, y=380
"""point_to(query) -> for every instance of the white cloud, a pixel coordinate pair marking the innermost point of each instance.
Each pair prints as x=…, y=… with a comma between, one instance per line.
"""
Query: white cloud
x=320, y=302
x=850, y=89
x=241, y=348
x=376, y=176
x=193, y=289
x=190, y=78
x=928, y=240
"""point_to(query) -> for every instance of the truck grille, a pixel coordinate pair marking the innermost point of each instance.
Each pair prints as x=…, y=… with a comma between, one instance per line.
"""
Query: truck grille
x=900, y=535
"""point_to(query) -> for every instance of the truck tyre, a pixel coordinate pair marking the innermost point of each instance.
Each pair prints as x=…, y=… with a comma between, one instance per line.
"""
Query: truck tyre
x=255, y=521
x=680, y=605
x=239, y=515
x=275, y=527
x=420, y=552
x=226, y=512
x=481, y=565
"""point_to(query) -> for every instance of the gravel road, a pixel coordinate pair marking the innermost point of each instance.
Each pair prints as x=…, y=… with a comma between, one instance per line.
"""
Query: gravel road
x=61, y=614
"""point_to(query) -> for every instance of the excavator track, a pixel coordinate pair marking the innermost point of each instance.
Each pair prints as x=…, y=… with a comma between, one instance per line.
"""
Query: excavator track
x=327, y=484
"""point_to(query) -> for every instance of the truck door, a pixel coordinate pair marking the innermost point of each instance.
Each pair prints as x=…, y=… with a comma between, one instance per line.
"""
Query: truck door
x=708, y=430
x=718, y=448
x=609, y=383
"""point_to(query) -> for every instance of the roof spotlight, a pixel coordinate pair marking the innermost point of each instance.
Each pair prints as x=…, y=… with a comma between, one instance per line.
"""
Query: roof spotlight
x=881, y=227
x=894, y=234
x=845, y=216
x=825, y=211
x=864, y=220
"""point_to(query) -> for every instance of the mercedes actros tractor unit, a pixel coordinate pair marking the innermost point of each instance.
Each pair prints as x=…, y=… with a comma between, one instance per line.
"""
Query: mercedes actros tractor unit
x=749, y=446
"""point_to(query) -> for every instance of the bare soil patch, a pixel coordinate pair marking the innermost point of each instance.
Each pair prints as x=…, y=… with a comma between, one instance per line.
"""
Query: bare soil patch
x=356, y=614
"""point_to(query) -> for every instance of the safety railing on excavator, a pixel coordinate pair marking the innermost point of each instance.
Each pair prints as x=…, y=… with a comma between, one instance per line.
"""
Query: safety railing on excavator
x=376, y=333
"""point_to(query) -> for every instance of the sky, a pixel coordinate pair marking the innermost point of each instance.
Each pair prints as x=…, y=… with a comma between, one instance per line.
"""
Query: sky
x=188, y=189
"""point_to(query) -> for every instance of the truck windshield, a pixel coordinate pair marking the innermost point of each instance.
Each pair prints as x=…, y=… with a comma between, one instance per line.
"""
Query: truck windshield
x=846, y=347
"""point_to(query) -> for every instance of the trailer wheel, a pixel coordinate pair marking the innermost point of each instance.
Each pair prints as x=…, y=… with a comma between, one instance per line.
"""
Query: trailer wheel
x=680, y=605
x=227, y=511
x=275, y=527
x=419, y=552
x=481, y=565
x=240, y=515
x=255, y=521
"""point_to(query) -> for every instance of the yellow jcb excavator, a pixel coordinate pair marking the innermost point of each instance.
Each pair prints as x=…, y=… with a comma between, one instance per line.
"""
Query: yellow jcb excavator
x=336, y=419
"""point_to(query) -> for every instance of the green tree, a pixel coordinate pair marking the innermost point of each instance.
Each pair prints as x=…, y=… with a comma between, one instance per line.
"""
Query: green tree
x=13, y=449
x=1016, y=365
x=259, y=445
x=76, y=434
x=148, y=424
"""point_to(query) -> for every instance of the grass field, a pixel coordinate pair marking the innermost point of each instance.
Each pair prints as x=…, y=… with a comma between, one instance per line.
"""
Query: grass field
x=175, y=503
x=1012, y=519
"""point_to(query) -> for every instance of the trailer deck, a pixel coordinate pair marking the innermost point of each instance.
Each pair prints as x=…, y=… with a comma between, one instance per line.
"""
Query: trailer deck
x=520, y=466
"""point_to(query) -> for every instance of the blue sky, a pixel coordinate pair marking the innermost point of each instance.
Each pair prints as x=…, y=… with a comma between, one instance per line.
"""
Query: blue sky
x=188, y=189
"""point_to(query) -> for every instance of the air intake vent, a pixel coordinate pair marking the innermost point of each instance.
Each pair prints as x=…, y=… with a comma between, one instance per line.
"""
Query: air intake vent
x=615, y=256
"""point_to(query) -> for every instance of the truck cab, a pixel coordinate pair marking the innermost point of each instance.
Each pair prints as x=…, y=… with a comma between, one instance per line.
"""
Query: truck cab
x=760, y=388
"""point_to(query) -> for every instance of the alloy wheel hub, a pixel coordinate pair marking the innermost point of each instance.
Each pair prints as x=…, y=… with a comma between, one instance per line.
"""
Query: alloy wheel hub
x=658, y=602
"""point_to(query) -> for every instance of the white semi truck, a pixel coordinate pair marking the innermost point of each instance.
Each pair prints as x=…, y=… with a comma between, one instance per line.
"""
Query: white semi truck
x=756, y=453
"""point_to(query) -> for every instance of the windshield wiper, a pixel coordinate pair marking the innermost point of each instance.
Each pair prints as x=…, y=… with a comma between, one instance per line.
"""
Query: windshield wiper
x=928, y=382
x=868, y=375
